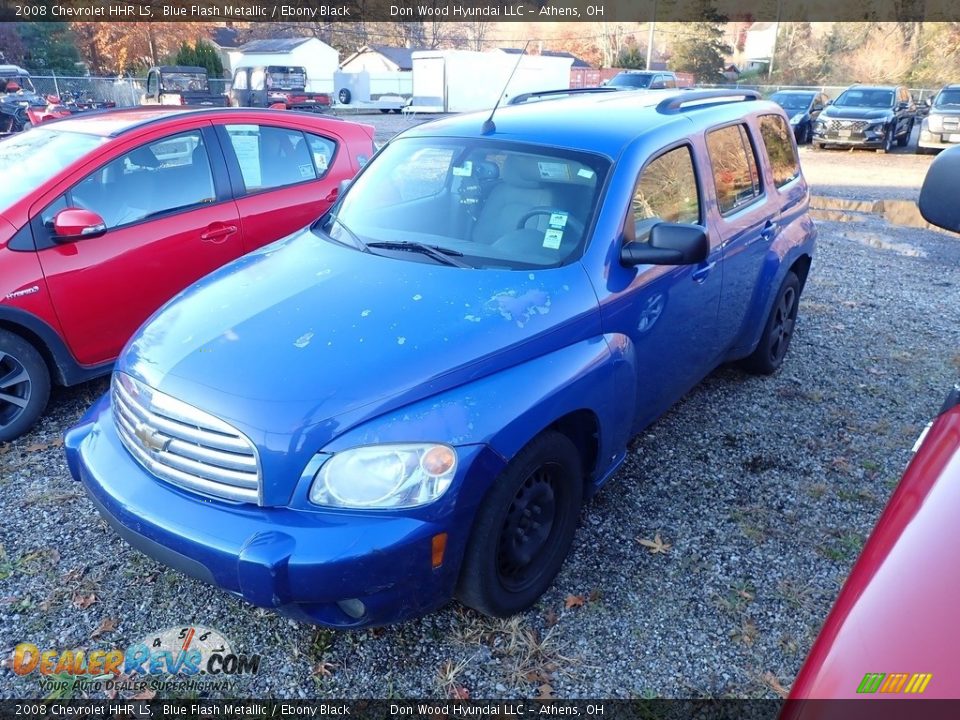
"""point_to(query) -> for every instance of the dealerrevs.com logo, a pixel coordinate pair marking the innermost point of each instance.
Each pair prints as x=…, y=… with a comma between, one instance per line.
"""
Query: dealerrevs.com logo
x=197, y=655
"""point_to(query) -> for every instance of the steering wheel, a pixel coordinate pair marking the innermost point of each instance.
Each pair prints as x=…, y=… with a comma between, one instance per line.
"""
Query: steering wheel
x=571, y=223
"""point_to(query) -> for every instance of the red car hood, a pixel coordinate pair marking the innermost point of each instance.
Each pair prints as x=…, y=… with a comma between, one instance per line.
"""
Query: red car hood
x=897, y=612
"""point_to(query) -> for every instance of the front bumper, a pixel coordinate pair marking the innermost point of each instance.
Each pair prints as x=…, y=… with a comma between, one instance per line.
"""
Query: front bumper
x=871, y=140
x=939, y=141
x=310, y=565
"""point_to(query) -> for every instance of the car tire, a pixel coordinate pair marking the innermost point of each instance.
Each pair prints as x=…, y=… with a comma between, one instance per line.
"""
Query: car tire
x=344, y=96
x=905, y=139
x=777, y=331
x=814, y=145
x=524, y=528
x=24, y=386
x=887, y=142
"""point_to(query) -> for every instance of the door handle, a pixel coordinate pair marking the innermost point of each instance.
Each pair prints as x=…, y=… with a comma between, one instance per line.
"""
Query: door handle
x=218, y=232
x=700, y=274
x=332, y=196
x=769, y=231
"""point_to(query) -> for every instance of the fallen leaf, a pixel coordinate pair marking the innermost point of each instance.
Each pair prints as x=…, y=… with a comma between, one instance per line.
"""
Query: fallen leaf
x=551, y=617
x=771, y=681
x=39, y=447
x=82, y=602
x=655, y=546
x=459, y=692
x=545, y=692
x=323, y=669
x=594, y=596
x=105, y=626
x=574, y=601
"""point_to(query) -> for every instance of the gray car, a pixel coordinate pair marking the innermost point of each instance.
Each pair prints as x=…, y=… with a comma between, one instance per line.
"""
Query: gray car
x=941, y=128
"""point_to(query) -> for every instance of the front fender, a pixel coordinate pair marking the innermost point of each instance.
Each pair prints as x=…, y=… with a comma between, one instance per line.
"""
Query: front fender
x=505, y=411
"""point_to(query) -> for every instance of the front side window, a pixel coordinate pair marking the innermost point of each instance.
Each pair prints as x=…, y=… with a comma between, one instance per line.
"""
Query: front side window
x=734, y=167
x=152, y=180
x=666, y=192
x=272, y=157
x=240, y=80
x=257, y=79
x=153, y=83
x=36, y=156
x=947, y=98
x=777, y=138
x=631, y=80
x=486, y=203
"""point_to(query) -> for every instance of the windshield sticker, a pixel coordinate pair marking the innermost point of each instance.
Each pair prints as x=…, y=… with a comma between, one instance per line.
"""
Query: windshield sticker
x=321, y=161
x=553, y=170
x=465, y=170
x=584, y=173
x=306, y=171
x=552, y=238
x=558, y=219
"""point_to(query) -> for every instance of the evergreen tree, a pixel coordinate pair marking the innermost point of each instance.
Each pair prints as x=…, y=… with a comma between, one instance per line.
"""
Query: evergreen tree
x=203, y=54
x=701, y=49
x=48, y=47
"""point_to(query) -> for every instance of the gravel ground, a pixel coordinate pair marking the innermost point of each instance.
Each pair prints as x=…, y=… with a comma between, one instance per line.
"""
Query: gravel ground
x=764, y=489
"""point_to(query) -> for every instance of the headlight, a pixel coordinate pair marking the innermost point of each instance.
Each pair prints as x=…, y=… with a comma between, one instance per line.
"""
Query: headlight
x=820, y=124
x=385, y=476
x=935, y=122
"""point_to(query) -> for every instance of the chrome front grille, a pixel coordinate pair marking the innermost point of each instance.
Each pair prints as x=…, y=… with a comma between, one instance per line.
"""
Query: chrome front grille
x=183, y=445
x=854, y=126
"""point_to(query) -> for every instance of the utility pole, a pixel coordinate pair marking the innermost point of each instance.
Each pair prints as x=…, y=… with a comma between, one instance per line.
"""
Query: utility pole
x=653, y=23
x=776, y=35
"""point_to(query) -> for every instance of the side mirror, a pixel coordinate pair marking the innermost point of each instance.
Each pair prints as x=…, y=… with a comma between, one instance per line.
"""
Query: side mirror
x=938, y=197
x=903, y=105
x=77, y=224
x=669, y=244
x=829, y=102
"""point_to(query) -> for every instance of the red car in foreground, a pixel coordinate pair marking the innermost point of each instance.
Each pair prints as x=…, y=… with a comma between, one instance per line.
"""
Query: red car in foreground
x=104, y=217
x=893, y=632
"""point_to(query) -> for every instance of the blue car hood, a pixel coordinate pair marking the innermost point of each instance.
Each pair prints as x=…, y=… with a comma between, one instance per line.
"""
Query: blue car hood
x=289, y=340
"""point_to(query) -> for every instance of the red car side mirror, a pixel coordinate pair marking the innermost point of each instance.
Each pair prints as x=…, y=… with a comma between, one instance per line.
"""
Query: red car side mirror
x=77, y=224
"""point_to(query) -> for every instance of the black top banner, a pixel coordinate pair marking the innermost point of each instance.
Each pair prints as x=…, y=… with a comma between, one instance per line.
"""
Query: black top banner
x=334, y=11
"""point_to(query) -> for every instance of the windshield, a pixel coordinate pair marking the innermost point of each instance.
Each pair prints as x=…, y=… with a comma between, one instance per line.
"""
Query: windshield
x=792, y=101
x=948, y=98
x=10, y=83
x=862, y=97
x=631, y=80
x=487, y=203
x=286, y=79
x=35, y=156
x=183, y=82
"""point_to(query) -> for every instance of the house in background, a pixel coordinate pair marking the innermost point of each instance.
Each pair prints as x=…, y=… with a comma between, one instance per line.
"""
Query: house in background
x=760, y=40
x=315, y=56
x=582, y=73
x=226, y=41
x=379, y=58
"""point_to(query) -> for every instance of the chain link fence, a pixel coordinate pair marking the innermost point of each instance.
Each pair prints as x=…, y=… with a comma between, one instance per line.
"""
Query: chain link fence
x=831, y=91
x=125, y=92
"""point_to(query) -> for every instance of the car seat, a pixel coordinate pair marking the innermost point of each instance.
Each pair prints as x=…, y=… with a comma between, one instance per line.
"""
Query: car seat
x=520, y=189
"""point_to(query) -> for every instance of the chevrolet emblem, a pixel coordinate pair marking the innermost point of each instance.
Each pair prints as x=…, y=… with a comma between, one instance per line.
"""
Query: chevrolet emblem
x=150, y=438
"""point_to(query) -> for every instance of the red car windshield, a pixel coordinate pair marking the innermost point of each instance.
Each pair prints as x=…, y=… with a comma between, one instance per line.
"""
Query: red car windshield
x=35, y=156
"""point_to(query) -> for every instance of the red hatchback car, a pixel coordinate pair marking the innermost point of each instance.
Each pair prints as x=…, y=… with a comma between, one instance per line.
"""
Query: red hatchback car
x=104, y=217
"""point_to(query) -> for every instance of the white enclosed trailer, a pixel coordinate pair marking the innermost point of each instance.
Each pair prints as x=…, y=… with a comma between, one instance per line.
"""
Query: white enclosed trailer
x=463, y=80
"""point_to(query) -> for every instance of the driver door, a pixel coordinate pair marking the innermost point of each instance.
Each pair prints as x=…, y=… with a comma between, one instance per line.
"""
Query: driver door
x=169, y=220
x=669, y=312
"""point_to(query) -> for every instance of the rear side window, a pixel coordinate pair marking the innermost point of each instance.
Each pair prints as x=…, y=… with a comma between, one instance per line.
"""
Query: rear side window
x=777, y=139
x=666, y=192
x=164, y=176
x=734, y=167
x=273, y=157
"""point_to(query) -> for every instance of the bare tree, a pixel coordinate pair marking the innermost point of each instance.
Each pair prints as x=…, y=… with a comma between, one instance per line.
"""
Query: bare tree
x=476, y=33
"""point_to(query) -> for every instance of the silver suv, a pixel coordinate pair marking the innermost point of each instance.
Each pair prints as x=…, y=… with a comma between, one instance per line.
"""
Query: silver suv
x=941, y=128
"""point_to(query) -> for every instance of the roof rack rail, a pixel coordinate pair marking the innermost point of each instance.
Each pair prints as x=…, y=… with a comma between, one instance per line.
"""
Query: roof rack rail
x=694, y=99
x=557, y=94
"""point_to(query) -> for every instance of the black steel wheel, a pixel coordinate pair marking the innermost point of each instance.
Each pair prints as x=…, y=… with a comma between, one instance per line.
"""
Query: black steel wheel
x=778, y=331
x=524, y=528
x=24, y=385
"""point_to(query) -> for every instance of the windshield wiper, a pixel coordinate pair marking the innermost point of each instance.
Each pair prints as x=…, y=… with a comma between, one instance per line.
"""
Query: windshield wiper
x=444, y=256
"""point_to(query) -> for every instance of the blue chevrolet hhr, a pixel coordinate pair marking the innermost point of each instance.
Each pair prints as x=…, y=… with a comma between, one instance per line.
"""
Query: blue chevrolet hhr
x=410, y=399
